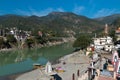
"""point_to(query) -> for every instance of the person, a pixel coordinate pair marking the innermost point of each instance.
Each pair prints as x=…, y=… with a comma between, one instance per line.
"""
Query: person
x=94, y=73
x=105, y=65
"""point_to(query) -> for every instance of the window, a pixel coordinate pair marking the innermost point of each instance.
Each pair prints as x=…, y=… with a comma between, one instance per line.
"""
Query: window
x=115, y=59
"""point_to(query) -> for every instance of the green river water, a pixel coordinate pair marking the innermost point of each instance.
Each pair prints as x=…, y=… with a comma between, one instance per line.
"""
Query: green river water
x=22, y=60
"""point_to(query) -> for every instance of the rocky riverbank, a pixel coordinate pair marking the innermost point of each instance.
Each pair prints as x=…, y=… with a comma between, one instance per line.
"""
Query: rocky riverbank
x=64, y=40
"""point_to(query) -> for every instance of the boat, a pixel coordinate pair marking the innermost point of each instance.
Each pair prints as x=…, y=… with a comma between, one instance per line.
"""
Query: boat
x=37, y=65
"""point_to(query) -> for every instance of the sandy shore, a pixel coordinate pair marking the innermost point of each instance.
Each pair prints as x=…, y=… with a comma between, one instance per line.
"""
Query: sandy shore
x=71, y=64
x=13, y=76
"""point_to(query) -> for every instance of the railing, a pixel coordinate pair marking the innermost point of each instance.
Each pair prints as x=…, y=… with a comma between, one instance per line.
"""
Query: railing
x=84, y=76
x=81, y=75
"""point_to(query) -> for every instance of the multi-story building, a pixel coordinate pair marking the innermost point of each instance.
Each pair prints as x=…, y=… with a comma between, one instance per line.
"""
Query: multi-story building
x=104, y=43
x=117, y=34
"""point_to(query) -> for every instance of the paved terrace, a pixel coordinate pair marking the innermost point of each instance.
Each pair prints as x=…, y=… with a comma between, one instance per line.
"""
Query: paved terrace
x=37, y=74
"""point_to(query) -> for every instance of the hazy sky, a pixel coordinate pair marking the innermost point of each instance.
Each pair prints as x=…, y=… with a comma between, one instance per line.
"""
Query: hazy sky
x=89, y=8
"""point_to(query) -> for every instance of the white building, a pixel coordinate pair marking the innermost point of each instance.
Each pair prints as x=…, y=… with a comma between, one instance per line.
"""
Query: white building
x=103, y=43
x=108, y=47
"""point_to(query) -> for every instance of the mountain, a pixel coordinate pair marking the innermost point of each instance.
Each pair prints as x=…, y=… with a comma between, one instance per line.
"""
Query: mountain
x=108, y=19
x=56, y=22
x=116, y=23
x=71, y=21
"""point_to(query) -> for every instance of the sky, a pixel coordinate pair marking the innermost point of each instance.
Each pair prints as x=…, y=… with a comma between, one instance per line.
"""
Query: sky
x=88, y=8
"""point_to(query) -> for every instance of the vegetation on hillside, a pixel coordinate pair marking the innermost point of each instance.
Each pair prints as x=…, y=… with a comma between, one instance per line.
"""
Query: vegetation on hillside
x=108, y=19
x=57, y=23
x=116, y=23
x=82, y=41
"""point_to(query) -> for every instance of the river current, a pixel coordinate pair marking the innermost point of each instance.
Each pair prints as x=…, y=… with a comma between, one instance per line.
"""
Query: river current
x=16, y=61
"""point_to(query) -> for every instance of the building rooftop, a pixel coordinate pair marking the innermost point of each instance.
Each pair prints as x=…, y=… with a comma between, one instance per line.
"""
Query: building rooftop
x=105, y=78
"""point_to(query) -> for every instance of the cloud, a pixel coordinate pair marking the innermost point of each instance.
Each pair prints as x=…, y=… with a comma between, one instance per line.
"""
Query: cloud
x=105, y=12
x=40, y=13
x=32, y=11
x=22, y=12
x=60, y=10
x=78, y=9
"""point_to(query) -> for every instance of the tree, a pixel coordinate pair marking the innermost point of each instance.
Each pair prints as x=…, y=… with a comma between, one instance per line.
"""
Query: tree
x=30, y=41
x=11, y=40
x=1, y=42
x=82, y=41
x=112, y=34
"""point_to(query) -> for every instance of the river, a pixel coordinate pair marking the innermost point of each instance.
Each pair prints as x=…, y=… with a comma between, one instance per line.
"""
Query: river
x=16, y=61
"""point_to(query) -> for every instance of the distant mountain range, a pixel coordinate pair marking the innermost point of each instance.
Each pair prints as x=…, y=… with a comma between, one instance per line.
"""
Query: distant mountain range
x=109, y=19
x=57, y=22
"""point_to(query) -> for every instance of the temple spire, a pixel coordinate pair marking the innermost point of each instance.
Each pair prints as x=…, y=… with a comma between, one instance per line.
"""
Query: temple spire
x=106, y=30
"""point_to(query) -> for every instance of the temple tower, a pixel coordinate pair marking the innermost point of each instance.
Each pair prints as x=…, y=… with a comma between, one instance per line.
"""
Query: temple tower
x=106, y=30
x=48, y=68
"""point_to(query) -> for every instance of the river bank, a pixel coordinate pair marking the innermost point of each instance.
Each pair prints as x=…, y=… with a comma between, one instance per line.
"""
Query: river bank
x=73, y=62
x=13, y=76
x=70, y=64
x=48, y=44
